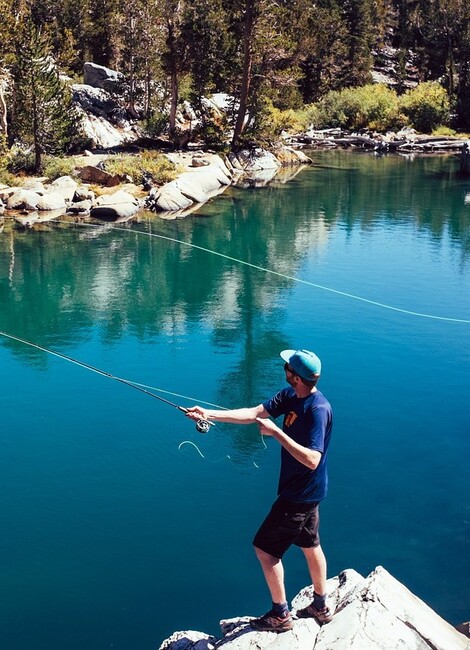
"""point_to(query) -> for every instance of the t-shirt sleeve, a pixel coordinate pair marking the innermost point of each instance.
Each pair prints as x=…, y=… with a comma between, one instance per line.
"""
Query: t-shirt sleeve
x=276, y=405
x=320, y=423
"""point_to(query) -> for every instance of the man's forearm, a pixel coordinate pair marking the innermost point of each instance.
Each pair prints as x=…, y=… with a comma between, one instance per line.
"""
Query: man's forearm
x=308, y=457
x=234, y=416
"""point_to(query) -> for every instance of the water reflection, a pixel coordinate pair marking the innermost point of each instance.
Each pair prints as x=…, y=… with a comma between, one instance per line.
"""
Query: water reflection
x=177, y=317
x=61, y=280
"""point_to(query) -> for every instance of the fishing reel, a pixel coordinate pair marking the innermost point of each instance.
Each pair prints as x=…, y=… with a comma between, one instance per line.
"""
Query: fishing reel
x=203, y=426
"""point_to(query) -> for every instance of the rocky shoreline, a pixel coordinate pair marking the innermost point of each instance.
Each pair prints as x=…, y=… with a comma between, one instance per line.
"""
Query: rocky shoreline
x=93, y=193
x=201, y=177
x=372, y=613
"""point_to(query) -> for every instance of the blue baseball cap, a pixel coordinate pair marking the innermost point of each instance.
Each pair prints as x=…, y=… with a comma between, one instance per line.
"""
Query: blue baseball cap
x=306, y=364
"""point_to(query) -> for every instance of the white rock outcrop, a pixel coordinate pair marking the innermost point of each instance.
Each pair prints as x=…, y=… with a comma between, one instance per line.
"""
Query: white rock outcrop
x=373, y=613
x=99, y=76
x=196, y=185
x=117, y=206
x=23, y=200
x=51, y=201
x=253, y=160
x=103, y=134
x=66, y=186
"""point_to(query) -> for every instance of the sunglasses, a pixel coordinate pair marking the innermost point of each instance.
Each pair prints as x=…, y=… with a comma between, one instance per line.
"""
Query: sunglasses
x=287, y=368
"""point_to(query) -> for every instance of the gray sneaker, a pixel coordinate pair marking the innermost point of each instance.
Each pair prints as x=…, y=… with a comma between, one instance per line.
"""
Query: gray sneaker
x=320, y=615
x=270, y=622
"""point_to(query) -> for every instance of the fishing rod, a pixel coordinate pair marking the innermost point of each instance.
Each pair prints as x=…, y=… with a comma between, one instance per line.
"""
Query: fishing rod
x=202, y=425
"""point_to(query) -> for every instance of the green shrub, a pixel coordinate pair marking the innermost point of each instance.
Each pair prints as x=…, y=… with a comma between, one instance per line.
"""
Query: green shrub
x=56, y=167
x=310, y=115
x=427, y=106
x=4, y=161
x=156, y=124
x=331, y=111
x=380, y=107
x=213, y=132
x=286, y=120
x=374, y=106
x=21, y=161
x=7, y=178
x=444, y=131
x=159, y=167
x=272, y=121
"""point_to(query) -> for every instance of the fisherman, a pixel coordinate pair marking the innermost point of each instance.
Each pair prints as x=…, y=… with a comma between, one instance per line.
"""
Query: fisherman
x=303, y=483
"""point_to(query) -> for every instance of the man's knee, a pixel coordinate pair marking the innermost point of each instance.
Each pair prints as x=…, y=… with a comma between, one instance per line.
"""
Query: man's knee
x=265, y=557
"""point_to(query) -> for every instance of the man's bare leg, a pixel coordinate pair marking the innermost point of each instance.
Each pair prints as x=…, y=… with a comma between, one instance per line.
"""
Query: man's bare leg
x=316, y=562
x=273, y=571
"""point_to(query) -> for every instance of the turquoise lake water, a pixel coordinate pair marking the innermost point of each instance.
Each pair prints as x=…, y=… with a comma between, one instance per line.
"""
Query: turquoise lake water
x=114, y=533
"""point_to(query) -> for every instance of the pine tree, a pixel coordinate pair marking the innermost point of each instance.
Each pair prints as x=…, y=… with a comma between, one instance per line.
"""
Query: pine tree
x=6, y=57
x=360, y=38
x=140, y=47
x=175, y=54
x=272, y=35
x=99, y=31
x=204, y=29
x=43, y=117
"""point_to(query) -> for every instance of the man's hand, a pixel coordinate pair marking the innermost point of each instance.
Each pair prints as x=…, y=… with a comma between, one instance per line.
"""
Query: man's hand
x=308, y=457
x=267, y=427
x=197, y=413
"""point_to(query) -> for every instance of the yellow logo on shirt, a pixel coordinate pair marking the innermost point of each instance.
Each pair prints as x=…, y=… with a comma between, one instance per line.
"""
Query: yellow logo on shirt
x=290, y=419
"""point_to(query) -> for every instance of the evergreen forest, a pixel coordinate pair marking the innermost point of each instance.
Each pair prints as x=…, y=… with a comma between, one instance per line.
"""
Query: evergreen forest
x=269, y=55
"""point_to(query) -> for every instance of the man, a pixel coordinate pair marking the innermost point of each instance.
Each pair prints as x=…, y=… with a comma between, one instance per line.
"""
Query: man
x=303, y=483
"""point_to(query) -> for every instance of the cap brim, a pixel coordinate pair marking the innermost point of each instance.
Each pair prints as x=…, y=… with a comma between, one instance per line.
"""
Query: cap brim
x=287, y=354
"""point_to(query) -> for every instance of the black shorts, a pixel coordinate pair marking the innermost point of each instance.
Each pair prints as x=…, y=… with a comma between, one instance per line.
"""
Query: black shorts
x=286, y=524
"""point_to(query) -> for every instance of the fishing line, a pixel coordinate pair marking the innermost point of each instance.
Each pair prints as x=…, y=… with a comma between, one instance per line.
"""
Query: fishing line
x=322, y=287
x=202, y=425
x=300, y=281
x=189, y=442
x=168, y=392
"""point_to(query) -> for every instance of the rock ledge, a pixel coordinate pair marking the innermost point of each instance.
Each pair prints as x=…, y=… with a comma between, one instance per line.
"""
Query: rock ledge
x=376, y=612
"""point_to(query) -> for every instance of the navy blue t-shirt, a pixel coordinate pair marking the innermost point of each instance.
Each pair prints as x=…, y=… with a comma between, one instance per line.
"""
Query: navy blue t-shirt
x=308, y=421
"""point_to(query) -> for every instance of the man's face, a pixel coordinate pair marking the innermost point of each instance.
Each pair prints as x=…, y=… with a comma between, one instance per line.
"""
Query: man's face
x=291, y=377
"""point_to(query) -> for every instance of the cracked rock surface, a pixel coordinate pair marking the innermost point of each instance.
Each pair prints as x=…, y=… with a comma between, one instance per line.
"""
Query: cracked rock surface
x=377, y=612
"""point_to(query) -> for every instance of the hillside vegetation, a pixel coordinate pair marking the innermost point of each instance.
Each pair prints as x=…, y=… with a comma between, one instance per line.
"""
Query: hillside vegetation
x=285, y=63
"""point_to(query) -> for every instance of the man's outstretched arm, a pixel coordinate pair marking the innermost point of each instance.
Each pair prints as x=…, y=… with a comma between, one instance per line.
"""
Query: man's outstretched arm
x=247, y=415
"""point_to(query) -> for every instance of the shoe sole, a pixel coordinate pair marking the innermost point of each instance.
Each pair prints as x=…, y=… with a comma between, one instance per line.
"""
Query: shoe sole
x=319, y=620
x=271, y=629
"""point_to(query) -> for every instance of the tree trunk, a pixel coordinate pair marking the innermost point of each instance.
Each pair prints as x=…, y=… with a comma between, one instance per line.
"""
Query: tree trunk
x=173, y=72
x=36, y=137
x=3, y=114
x=247, y=71
x=173, y=100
